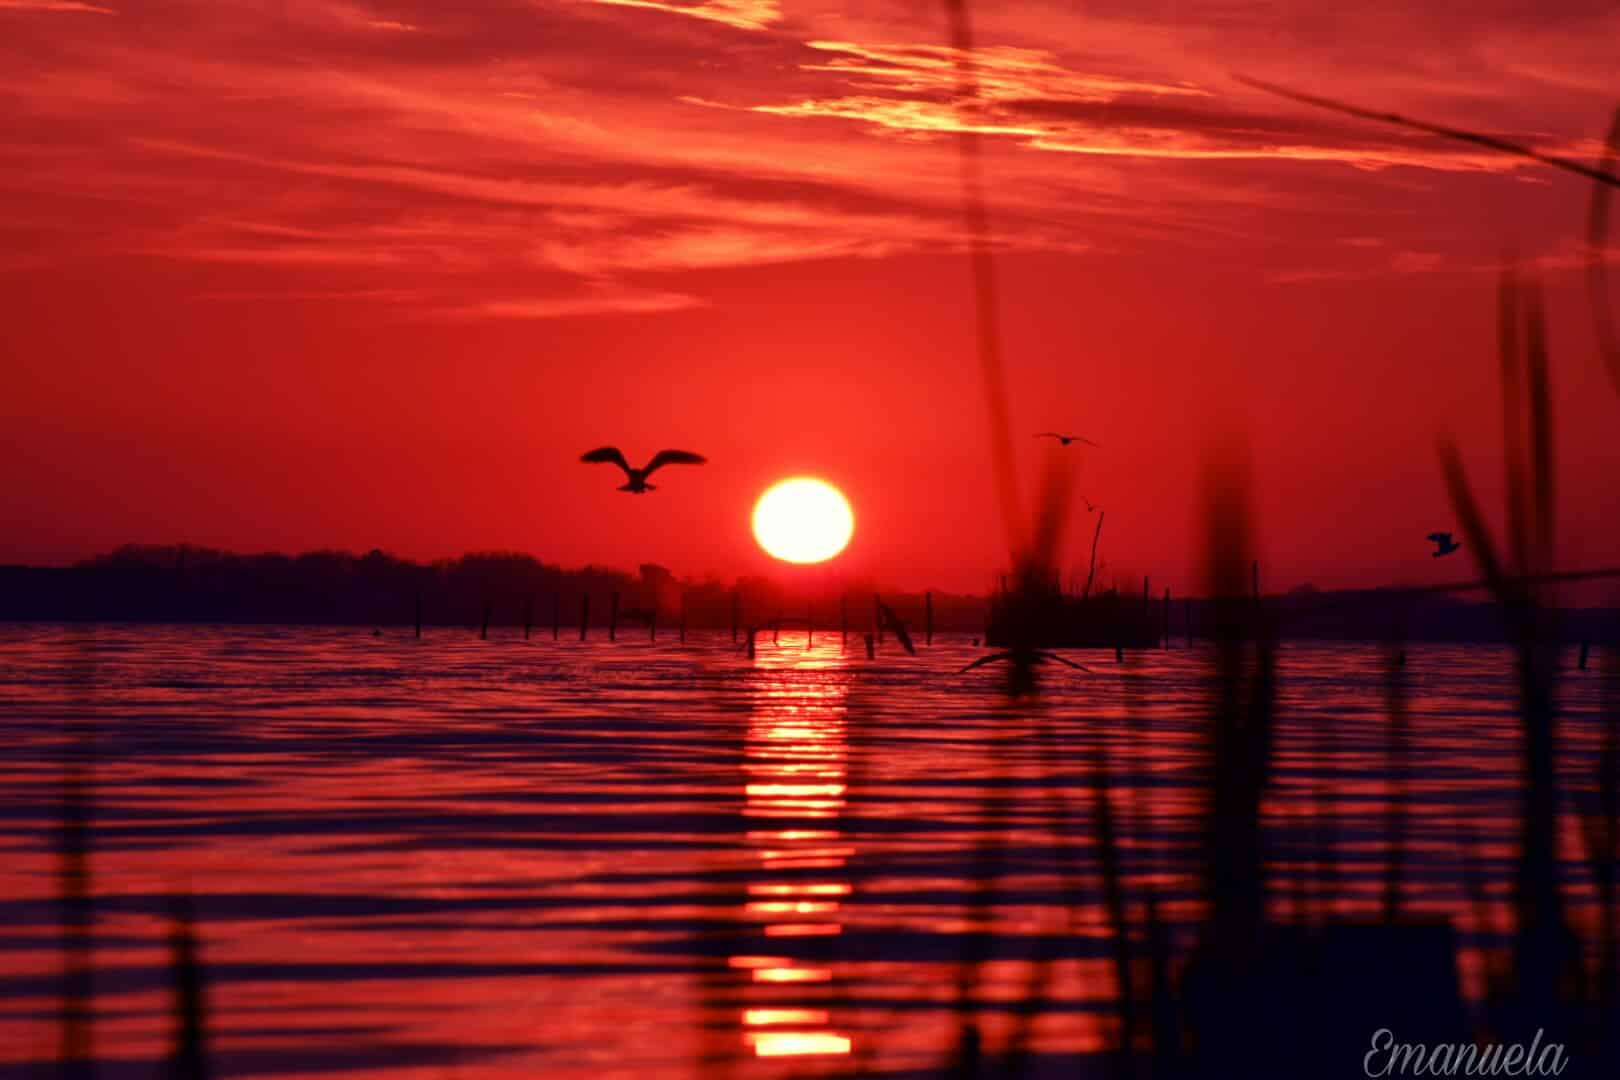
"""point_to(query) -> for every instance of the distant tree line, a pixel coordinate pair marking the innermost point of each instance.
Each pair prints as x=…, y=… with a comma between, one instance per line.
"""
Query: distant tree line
x=182, y=583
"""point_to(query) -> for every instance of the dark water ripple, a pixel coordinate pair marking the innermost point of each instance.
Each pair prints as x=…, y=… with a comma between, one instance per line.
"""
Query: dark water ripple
x=464, y=858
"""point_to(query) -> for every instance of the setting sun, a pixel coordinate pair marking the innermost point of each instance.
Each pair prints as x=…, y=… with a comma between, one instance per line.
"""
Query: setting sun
x=803, y=520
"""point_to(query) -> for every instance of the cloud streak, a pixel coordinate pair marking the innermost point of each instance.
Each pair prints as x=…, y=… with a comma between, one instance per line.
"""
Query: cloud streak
x=63, y=6
x=401, y=149
x=739, y=14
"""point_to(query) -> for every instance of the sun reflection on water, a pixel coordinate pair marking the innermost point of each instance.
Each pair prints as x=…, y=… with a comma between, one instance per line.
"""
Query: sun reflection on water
x=795, y=789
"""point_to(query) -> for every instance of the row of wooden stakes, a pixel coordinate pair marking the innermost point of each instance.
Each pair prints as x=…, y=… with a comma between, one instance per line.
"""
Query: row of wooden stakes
x=650, y=617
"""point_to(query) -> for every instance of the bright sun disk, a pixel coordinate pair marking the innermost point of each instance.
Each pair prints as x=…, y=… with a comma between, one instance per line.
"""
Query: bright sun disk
x=803, y=520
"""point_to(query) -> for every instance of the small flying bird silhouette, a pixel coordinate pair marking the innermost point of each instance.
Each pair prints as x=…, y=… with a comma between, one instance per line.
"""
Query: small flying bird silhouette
x=637, y=478
x=1066, y=439
x=1443, y=544
x=1091, y=507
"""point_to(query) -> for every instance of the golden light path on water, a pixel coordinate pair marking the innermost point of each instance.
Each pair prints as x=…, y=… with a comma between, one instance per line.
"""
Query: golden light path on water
x=795, y=776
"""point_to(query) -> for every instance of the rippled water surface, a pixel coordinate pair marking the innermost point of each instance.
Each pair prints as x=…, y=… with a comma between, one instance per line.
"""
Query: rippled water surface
x=474, y=858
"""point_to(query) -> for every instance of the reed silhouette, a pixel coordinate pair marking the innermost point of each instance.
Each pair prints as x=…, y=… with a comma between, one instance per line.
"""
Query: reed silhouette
x=1317, y=979
x=75, y=1050
x=189, y=1059
x=74, y=882
x=1545, y=952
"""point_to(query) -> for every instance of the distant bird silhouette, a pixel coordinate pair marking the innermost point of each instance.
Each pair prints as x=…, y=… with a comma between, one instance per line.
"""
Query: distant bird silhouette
x=1066, y=439
x=637, y=478
x=1443, y=544
x=1090, y=506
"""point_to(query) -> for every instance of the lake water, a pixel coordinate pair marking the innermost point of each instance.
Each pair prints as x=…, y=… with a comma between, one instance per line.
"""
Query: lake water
x=465, y=858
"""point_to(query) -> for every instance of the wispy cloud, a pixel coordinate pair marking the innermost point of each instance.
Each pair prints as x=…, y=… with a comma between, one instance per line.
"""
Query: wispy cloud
x=398, y=149
x=604, y=303
x=717, y=246
x=356, y=17
x=742, y=14
x=912, y=117
x=1409, y=263
x=1030, y=98
x=66, y=6
x=1003, y=73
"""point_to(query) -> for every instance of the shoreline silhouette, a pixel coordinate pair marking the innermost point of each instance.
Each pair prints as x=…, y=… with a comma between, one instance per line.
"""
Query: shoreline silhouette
x=182, y=583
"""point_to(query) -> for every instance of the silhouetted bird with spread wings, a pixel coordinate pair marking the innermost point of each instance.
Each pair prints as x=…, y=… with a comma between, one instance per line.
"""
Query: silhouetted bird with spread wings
x=1443, y=544
x=636, y=482
x=1066, y=439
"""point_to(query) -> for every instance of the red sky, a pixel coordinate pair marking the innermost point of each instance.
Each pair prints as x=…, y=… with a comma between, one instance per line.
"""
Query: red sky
x=327, y=274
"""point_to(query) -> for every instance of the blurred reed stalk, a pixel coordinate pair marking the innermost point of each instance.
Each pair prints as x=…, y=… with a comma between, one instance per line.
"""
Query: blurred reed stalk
x=1597, y=255
x=1600, y=831
x=76, y=1046
x=1236, y=756
x=1113, y=890
x=189, y=1059
x=1398, y=761
x=985, y=300
x=75, y=1052
x=1238, y=743
x=1543, y=944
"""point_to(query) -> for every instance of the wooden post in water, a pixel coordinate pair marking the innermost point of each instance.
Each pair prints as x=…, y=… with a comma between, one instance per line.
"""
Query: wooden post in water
x=809, y=626
x=871, y=651
x=928, y=618
x=584, y=614
x=1167, y=618
x=877, y=620
x=556, y=615
x=483, y=631
x=613, y=617
x=683, y=618
x=1188, y=603
x=843, y=621
x=528, y=615
x=418, y=615
x=776, y=627
x=751, y=631
x=736, y=607
x=1584, y=645
x=652, y=623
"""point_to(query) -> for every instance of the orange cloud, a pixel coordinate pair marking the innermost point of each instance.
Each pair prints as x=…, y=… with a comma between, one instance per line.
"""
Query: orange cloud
x=55, y=5
x=1002, y=73
x=907, y=116
x=742, y=14
x=1029, y=96
x=603, y=303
